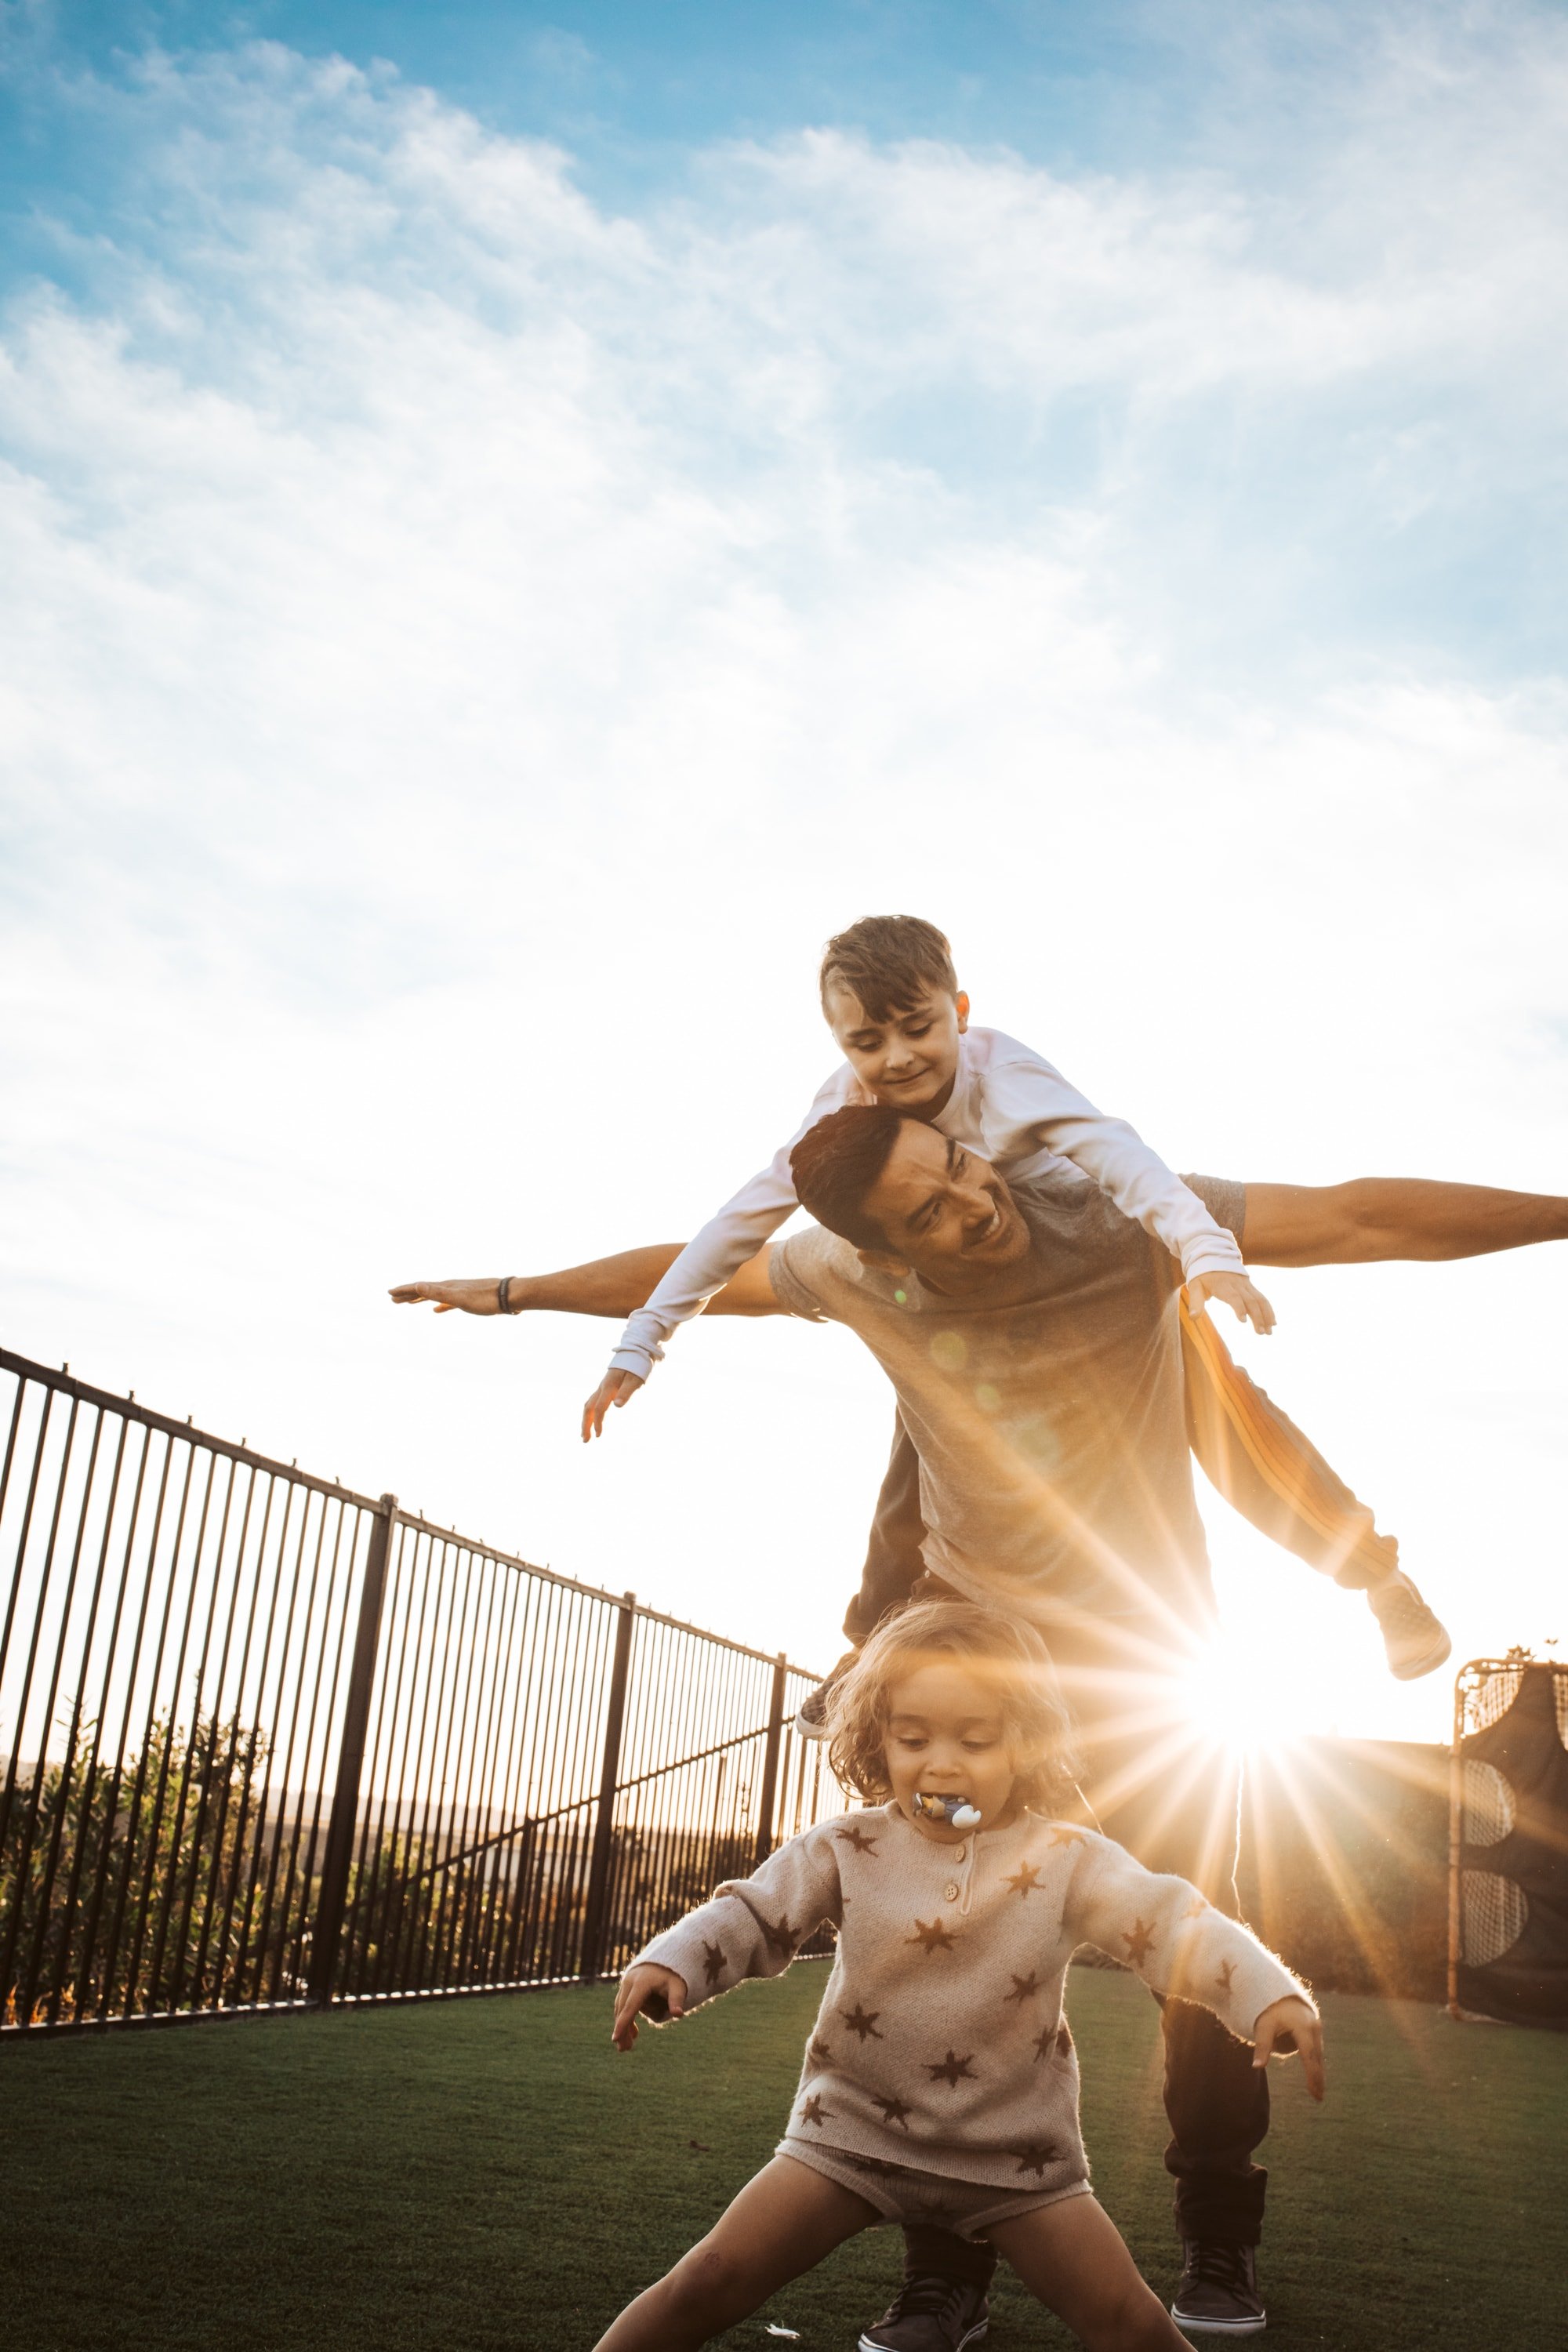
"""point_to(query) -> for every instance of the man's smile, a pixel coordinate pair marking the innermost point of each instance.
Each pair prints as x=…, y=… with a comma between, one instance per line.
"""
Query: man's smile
x=990, y=1232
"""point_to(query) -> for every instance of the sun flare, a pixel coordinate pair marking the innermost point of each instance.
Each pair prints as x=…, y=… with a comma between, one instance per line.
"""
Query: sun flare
x=1236, y=1699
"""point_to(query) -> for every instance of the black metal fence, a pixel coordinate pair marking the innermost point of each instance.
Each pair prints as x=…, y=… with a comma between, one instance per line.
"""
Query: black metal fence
x=267, y=1744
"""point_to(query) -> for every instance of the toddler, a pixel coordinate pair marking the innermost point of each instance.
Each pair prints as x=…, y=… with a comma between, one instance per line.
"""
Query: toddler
x=940, y=2084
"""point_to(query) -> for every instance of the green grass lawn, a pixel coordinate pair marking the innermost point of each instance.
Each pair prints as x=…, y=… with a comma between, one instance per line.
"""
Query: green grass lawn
x=488, y=2173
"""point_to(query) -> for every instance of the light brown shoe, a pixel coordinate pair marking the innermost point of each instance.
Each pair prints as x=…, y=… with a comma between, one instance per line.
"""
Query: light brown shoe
x=1415, y=1641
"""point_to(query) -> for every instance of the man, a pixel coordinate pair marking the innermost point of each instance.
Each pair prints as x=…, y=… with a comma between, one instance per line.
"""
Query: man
x=1031, y=1334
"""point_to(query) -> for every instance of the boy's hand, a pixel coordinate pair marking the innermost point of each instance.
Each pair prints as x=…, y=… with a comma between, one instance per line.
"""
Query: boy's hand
x=1285, y=2025
x=1240, y=1294
x=646, y=1987
x=477, y=1297
x=616, y=1388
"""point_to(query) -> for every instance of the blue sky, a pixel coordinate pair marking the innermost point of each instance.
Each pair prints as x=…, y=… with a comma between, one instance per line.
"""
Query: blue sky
x=1275, y=109
x=517, y=524
x=632, y=89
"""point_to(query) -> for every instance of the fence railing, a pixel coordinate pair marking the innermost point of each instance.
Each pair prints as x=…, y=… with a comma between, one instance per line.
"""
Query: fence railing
x=266, y=1743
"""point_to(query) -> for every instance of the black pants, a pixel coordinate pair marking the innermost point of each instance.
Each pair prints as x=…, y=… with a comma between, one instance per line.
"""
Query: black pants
x=1217, y=2101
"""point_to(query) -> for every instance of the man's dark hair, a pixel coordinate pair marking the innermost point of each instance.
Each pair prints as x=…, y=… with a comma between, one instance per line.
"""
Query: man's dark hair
x=887, y=962
x=835, y=1163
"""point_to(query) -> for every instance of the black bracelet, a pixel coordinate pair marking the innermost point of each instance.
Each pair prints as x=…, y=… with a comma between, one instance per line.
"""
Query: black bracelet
x=503, y=1296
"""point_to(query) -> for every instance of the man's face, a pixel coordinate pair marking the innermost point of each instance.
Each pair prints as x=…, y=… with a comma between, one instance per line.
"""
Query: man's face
x=947, y=1213
x=908, y=1060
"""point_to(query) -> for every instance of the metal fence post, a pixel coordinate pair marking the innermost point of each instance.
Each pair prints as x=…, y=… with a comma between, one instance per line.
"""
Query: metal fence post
x=339, y=1854
x=766, y=1809
x=596, y=1917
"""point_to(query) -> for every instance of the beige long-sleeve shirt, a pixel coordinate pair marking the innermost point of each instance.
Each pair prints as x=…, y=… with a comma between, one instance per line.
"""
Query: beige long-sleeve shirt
x=940, y=2042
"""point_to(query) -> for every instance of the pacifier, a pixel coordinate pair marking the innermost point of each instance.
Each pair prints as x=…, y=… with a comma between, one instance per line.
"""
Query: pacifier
x=957, y=1812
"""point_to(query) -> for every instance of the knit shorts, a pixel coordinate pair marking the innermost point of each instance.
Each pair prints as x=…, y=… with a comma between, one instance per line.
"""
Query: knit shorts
x=925, y=2199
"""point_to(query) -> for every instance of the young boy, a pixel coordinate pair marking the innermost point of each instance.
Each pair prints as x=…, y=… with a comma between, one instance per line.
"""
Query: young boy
x=891, y=998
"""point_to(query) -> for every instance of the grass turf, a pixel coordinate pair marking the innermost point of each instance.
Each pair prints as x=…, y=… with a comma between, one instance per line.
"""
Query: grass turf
x=486, y=2174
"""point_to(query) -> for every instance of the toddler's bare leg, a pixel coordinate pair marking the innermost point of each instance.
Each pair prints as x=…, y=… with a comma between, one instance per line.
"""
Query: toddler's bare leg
x=785, y=2221
x=1073, y=2257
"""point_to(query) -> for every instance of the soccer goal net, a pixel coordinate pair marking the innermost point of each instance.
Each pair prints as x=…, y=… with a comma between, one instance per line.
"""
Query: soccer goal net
x=1508, y=1845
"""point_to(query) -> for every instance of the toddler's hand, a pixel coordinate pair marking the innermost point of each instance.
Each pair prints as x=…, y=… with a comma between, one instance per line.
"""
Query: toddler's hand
x=616, y=1388
x=646, y=1987
x=1289, y=2024
x=1240, y=1294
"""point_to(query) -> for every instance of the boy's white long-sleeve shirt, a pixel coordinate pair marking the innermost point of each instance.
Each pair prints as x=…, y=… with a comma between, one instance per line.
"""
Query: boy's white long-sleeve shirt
x=940, y=2042
x=1008, y=1105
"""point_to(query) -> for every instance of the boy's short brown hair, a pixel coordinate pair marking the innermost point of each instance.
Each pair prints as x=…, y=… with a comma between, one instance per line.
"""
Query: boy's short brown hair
x=887, y=962
x=1004, y=1650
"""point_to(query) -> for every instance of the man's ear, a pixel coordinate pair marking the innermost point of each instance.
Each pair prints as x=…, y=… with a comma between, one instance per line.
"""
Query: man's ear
x=883, y=1261
x=961, y=1000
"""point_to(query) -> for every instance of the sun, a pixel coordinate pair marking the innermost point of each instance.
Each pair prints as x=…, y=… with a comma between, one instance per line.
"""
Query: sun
x=1236, y=1698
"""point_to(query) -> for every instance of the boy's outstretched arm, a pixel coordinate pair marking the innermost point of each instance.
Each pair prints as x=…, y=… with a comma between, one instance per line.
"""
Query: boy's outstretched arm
x=1381, y=1217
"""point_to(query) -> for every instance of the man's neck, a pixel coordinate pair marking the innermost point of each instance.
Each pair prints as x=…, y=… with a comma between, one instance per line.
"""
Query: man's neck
x=996, y=1289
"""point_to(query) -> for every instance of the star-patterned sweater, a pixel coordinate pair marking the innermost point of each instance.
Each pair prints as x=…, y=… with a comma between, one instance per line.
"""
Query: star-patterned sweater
x=941, y=2043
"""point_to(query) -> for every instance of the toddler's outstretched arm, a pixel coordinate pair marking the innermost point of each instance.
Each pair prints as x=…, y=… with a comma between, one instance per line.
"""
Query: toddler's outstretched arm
x=1287, y=2025
x=646, y=1989
x=1179, y=1943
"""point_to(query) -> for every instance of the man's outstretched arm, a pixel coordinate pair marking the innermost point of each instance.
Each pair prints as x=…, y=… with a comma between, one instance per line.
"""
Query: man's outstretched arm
x=1378, y=1217
x=605, y=1286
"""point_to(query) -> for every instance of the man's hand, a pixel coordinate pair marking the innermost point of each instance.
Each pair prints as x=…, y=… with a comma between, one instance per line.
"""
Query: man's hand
x=1240, y=1294
x=480, y=1296
x=616, y=1388
x=1285, y=2025
x=649, y=1988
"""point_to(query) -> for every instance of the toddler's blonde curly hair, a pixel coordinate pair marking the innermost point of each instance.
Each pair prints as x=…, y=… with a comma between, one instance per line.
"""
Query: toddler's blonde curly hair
x=1002, y=1651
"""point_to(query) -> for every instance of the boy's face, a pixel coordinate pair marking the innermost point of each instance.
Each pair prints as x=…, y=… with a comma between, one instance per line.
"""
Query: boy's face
x=908, y=1060
x=946, y=1738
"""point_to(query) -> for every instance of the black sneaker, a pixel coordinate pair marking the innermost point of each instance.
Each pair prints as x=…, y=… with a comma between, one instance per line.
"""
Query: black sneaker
x=1415, y=1641
x=811, y=1717
x=1218, y=2293
x=930, y=2314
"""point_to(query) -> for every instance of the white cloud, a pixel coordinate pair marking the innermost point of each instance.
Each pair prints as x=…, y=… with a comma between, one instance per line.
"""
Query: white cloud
x=464, y=650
